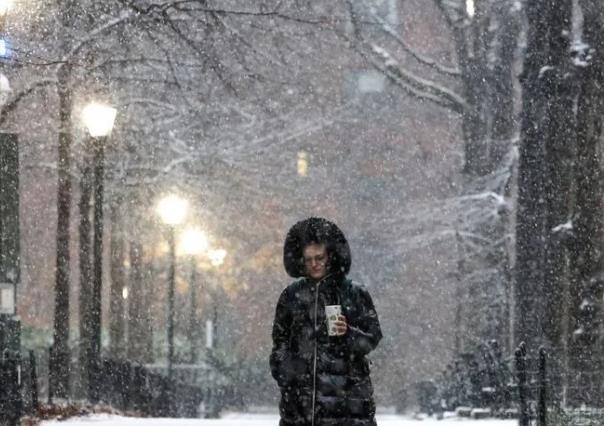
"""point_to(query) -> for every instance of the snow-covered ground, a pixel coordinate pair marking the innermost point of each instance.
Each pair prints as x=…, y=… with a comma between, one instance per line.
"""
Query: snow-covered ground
x=236, y=419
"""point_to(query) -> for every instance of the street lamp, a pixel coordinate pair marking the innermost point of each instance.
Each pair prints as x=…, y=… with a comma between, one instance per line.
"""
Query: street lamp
x=5, y=6
x=99, y=120
x=172, y=210
x=193, y=243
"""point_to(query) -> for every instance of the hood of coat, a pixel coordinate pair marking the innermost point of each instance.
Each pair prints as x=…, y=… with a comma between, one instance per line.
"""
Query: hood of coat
x=320, y=231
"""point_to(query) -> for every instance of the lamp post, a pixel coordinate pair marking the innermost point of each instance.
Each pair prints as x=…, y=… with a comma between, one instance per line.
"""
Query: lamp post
x=216, y=257
x=193, y=244
x=99, y=120
x=172, y=210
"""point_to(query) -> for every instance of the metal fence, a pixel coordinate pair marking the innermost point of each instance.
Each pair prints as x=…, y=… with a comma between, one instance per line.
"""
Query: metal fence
x=30, y=389
x=18, y=388
x=10, y=390
x=551, y=394
x=480, y=383
x=128, y=386
x=124, y=385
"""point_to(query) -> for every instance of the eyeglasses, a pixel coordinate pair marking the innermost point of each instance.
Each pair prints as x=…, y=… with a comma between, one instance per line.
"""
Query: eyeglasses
x=320, y=259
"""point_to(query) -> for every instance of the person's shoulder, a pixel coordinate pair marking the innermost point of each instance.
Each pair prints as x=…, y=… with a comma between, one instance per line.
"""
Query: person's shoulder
x=294, y=286
x=357, y=286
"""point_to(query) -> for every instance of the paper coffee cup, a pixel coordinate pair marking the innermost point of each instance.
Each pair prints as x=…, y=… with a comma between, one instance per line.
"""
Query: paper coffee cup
x=332, y=312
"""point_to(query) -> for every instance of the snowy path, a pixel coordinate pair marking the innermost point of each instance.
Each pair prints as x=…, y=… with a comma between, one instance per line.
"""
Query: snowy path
x=262, y=420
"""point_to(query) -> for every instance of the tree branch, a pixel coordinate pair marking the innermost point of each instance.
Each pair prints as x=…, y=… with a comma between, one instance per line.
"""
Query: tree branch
x=387, y=29
x=14, y=102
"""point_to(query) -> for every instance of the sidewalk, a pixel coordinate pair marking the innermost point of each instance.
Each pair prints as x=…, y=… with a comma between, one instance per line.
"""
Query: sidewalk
x=242, y=419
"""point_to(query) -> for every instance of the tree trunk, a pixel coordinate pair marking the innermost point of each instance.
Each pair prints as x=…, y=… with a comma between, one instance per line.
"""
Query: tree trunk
x=531, y=211
x=586, y=252
x=558, y=134
x=472, y=53
x=545, y=182
x=60, y=353
x=488, y=128
x=501, y=151
x=501, y=87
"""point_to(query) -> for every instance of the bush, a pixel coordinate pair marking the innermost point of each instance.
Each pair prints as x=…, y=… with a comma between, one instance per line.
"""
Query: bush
x=561, y=417
x=478, y=379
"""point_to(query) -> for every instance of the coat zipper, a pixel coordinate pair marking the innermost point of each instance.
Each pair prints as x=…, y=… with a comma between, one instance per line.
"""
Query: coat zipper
x=314, y=368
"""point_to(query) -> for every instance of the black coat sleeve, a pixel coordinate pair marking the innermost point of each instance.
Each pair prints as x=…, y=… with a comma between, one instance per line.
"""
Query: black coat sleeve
x=281, y=335
x=364, y=332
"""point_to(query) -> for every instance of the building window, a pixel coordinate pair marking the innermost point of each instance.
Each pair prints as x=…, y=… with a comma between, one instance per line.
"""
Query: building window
x=302, y=163
x=370, y=82
x=381, y=12
x=370, y=89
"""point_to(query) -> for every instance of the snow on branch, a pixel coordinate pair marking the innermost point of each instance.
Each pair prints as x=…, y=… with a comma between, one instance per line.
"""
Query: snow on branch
x=563, y=227
x=22, y=94
x=95, y=33
x=413, y=84
x=390, y=31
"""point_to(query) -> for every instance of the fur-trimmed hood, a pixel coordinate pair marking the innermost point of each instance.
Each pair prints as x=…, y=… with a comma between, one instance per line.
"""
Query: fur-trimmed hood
x=320, y=231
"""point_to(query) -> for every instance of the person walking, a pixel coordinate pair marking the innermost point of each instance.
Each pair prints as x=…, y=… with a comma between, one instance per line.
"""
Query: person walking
x=320, y=366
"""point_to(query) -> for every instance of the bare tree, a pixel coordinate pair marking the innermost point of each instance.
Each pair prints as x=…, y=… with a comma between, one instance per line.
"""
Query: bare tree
x=479, y=87
x=586, y=282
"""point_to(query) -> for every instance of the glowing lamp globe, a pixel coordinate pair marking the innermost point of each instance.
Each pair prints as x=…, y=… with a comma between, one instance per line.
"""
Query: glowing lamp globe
x=193, y=242
x=98, y=119
x=172, y=209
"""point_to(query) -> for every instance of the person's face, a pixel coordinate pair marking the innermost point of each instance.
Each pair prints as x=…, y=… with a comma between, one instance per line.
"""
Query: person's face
x=315, y=261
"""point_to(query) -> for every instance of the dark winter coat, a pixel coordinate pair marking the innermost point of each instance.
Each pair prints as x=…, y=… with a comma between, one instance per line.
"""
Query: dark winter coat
x=321, y=377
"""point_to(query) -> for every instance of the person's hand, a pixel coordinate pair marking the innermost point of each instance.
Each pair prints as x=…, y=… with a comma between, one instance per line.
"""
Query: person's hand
x=341, y=325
